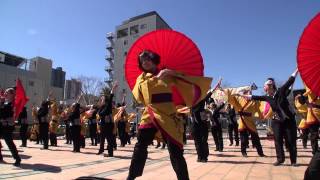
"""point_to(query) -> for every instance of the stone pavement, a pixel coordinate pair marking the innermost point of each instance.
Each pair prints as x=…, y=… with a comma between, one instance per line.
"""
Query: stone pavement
x=61, y=163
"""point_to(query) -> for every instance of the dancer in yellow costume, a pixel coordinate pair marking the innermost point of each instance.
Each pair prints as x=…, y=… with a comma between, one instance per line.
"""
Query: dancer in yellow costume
x=302, y=109
x=313, y=118
x=54, y=122
x=153, y=90
x=246, y=110
x=34, y=136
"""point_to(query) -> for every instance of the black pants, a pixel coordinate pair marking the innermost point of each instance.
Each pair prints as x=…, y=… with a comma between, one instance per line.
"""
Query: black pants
x=122, y=133
x=304, y=136
x=53, y=139
x=44, y=134
x=75, y=131
x=314, y=136
x=200, y=136
x=313, y=170
x=24, y=134
x=280, y=129
x=68, y=134
x=233, y=131
x=184, y=134
x=217, y=136
x=244, y=136
x=140, y=154
x=6, y=134
x=93, y=134
x=107, y=133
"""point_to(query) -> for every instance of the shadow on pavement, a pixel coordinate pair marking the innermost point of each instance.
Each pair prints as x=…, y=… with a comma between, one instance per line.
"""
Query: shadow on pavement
x=41, y=167
x=238, y=162
x=22, y=156
x=91, y=178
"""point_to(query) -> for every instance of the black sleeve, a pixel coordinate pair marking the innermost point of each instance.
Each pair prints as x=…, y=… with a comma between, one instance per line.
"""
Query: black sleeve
x=259, y=98
x=107, y=109
x=285, y=87
x=202, y=102
x=42, y=112
x=218, y=108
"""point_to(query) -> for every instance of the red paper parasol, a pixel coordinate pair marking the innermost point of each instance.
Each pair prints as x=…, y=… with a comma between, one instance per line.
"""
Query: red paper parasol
x=308, y=55
x=176, y=50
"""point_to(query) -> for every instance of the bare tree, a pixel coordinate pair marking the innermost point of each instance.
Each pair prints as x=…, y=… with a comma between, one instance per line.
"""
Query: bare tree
x=91, y=88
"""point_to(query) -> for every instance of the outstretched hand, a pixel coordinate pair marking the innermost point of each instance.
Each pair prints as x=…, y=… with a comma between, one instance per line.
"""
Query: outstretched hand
x=217, y=86
x=165, y=72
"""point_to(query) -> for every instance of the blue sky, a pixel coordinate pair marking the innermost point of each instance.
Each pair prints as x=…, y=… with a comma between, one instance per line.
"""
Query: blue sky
x=242, y=41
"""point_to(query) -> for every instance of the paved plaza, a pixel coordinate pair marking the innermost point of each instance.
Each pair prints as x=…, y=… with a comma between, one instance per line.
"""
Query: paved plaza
x=61, y=163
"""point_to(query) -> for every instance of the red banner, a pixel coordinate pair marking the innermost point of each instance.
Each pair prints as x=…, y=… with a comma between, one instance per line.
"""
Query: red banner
x=20, y=100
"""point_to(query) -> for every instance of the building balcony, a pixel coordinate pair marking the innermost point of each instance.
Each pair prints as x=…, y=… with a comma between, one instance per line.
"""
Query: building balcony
x=108, y=69
x=110, y=35
x=109, y=46
x=109, y=57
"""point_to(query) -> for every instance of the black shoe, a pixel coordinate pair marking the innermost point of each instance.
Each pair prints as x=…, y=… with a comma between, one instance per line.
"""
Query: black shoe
x=203, y=160
x=130, y=178
x=17, y=163
x=278, y=163
x=262, y=155
x=230, y=144
x=237, y=143
x=216, y=150
x=244, y=154
x=1, y=159
x=294, y=164
x=109, y=155
x=198, y=160
x=100, y=152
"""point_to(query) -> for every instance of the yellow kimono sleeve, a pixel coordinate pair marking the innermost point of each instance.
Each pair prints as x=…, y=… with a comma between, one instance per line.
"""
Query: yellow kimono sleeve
x=232, y=99
x=136, y=90
x=192, y=88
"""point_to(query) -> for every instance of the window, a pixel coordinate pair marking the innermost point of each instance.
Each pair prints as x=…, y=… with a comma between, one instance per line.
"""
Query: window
x=31, y=83
x=134, y=29
x=122, y=33
x=143, y=26
x=125, y=42
x=125, y=54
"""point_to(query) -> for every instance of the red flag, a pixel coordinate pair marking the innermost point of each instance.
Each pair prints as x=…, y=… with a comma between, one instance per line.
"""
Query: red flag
x=1, y=93
x=20, y=100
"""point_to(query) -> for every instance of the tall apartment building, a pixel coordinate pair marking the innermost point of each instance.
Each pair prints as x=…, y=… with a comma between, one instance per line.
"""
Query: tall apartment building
x=120, y=42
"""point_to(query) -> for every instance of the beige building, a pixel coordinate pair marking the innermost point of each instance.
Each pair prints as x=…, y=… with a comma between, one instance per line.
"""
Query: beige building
x=36, y=74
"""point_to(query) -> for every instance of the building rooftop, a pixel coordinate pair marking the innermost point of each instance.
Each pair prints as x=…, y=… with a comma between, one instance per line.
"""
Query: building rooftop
x=12, y=60
x=145, y=15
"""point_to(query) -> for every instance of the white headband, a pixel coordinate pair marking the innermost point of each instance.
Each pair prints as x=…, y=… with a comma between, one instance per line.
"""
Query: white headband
x=269, y=82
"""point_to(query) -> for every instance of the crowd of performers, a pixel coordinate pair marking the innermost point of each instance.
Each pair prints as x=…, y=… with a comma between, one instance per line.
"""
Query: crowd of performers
x=163, y=121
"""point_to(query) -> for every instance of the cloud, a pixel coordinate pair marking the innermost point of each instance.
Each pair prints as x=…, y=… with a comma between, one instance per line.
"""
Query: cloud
x=32, y=32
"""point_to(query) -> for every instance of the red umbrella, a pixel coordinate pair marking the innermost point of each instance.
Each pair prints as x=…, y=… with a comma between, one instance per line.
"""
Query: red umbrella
x=308, y=55
x=176, y=50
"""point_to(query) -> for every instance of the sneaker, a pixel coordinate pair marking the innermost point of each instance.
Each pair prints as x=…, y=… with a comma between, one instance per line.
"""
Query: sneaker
x=244, y=154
